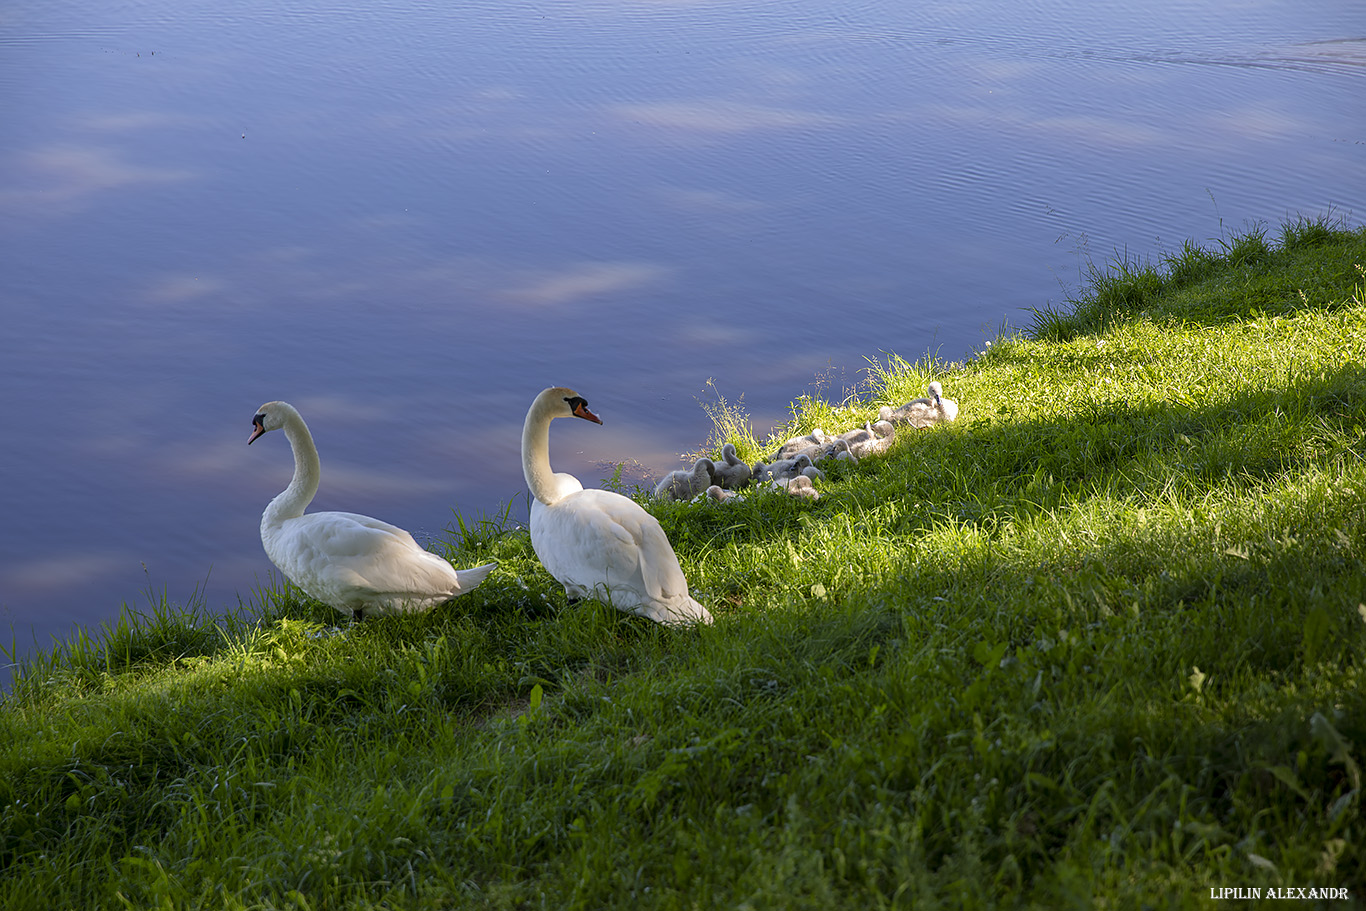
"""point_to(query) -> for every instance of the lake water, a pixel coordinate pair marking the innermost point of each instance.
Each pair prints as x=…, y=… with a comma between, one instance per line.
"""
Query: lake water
x=407, y=218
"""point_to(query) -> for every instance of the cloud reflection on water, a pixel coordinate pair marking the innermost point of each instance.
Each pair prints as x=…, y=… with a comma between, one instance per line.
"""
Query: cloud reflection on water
x=583, y=280
x=60, y=180
x=710, y=116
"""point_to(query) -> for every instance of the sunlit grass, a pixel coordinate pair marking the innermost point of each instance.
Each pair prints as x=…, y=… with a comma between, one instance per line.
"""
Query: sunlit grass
x=1099, y=643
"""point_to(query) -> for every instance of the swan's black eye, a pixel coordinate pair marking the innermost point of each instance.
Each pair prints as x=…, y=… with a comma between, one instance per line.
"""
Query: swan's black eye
x=576, y=402
x=259, y=421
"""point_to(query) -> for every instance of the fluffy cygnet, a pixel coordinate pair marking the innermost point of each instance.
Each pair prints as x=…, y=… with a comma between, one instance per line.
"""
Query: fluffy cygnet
x=857, y=436
x=922, y=412
x=721, y=495
x=686, y=483
x=800, y=486
x=874, y=439
x=809, y=445
x=783, y=469
x=731, y=473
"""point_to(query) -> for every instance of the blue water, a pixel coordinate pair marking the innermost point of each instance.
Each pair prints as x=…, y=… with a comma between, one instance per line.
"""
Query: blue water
x=407, y=219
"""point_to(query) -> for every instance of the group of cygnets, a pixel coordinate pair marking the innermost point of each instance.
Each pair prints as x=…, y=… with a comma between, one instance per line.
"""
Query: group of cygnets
x=595, y=543
x=793, y=467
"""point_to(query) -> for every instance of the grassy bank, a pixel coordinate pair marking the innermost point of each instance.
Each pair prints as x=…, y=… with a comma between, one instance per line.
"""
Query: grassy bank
x=1098, y=644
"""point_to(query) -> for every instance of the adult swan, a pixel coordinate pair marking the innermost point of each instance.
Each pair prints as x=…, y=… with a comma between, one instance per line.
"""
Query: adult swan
x=361, y=566
x=596, y=543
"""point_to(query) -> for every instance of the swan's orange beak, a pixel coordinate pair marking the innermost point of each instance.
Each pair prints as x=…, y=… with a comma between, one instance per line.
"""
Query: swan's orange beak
x=581, y=411
x=258, y=423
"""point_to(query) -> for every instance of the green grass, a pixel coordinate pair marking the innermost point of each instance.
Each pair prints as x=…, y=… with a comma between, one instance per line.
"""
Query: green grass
x=1098, y=644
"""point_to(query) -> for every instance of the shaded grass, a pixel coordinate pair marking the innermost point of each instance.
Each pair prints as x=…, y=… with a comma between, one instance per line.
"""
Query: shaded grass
x=1097, y=643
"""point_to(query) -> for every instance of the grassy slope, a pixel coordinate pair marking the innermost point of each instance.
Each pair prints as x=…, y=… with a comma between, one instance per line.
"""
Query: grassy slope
x=1097, y=644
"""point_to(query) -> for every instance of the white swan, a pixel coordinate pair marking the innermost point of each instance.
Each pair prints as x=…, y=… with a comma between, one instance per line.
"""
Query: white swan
x=361, y=566
x=922, y=412
x=596, y=543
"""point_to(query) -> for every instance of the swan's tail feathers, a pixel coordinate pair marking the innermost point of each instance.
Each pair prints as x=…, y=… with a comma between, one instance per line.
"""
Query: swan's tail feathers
x=469, y=579
x=682, y=611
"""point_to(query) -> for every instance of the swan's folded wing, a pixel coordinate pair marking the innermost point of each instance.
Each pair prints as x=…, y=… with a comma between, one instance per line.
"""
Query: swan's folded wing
x=580, y=544
x=350, y=551
x=640, y=553
x=665, y=587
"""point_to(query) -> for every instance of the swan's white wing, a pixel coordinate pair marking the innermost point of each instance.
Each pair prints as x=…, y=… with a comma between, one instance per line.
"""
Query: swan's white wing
x=585, y=545
x=645, y=555
x=350, y=561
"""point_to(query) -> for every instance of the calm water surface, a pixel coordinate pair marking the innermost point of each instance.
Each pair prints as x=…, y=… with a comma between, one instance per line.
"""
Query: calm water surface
x=407, y=219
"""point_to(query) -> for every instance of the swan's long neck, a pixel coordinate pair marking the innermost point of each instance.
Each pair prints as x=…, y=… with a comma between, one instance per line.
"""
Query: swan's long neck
x=536, y=453
x=294, y=499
